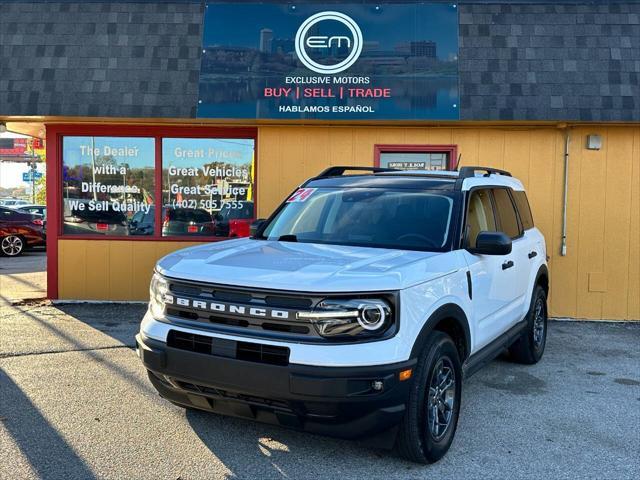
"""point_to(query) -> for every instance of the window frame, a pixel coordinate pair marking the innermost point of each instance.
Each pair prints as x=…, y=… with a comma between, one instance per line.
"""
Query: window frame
x=56, y=134
x=451, y=150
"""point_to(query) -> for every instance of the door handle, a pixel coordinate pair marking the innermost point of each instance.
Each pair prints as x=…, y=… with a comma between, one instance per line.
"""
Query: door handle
x=533, y=254
x=508, y=264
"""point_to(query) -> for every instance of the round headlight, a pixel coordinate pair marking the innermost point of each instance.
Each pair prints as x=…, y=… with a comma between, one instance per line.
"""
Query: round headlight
x=157, y=291
x=372, y=316
x=349, y=317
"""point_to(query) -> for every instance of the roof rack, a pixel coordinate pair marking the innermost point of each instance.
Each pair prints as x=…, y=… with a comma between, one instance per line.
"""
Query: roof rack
x=339, y=170
x=467, y=172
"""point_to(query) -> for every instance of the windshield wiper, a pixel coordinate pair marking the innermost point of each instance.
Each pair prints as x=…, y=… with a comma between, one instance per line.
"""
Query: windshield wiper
x=288, y=238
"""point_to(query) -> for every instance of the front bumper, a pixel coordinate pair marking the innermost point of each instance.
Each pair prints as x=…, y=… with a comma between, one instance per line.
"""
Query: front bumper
x=335, y=401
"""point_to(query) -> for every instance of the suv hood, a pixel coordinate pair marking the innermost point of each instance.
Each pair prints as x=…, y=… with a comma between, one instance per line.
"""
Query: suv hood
x=304, y=267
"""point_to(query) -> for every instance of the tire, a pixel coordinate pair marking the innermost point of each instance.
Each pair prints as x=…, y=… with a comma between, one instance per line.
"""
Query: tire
x=12, y=245
x=528, y=349
x=417, y=441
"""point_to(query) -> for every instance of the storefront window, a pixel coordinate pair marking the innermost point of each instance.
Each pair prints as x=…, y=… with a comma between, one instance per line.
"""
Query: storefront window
x=208, y=186
x=414, y=161
x=416, y=157
x=108, y=185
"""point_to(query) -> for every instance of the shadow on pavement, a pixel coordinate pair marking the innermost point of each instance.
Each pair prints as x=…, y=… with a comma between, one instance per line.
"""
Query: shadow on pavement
x=31, y=261
x=23, y=277
x=119, y=321
x=269, y=451
x=95, y=354
x=39, y=441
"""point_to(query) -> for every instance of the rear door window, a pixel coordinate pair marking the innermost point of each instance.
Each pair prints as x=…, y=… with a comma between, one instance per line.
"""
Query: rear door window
x=524, y=210
x=506, y=213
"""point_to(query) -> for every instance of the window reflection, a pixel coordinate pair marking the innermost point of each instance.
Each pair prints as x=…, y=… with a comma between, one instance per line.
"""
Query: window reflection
x=108, y=185
x=208, y=186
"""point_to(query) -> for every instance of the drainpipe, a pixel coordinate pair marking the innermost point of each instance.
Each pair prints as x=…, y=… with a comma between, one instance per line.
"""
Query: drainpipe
x=567, y=140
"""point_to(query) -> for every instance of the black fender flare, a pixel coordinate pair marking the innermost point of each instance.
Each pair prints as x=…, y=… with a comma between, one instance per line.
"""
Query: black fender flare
x=449, y=310
x=543, y=271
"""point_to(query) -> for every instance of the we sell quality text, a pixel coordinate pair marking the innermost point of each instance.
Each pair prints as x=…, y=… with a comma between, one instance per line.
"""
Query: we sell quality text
x=125, y=206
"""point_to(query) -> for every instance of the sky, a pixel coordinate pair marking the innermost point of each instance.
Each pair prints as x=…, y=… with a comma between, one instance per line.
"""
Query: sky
x=11, y=173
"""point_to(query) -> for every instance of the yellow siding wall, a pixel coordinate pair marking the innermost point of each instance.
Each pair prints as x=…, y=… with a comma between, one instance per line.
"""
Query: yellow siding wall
x=600, y=276
x=598, y=279
x=109, y=269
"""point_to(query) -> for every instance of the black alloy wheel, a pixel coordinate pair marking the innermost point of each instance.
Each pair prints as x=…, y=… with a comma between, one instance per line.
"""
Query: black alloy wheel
x=441, y=398
x=431, y=417
x=529, y=347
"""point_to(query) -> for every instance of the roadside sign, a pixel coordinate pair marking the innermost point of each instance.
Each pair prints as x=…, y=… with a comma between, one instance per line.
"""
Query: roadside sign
x=26, y=176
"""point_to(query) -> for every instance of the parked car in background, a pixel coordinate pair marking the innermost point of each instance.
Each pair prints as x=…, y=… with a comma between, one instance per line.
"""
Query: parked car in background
x=19, y=231
x=39, y=210
x=106, y=222
x=187, y=221
x=234, y=222
x=12, y=202
x=33, y=209
x=142, y=223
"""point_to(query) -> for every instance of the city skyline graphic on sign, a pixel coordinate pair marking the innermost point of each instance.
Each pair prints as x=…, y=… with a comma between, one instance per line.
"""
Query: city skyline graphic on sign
x=251, y=65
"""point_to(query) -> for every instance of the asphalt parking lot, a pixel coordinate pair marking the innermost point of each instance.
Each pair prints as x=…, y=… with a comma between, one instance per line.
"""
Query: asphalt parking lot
x=75, y=403
x=24, y=276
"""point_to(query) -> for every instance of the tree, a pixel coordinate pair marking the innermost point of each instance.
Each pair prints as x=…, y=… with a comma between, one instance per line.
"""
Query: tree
x=41, y=190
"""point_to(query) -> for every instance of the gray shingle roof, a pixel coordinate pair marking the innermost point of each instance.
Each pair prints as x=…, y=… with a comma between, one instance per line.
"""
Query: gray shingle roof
x=550, y=62
x=117, y=59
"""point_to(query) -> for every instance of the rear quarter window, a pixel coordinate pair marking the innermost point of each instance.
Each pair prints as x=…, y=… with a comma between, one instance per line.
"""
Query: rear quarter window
x=524, y=210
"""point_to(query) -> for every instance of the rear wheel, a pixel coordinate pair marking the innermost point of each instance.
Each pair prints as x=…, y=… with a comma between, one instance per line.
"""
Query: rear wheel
x=528, y=349
x=429, y=425
x=12, y=246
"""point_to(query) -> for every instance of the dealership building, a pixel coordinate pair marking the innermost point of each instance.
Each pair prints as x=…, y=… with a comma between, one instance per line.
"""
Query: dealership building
x=215, y=111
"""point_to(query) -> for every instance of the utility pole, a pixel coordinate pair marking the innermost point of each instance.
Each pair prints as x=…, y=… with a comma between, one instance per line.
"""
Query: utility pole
x=33, y=169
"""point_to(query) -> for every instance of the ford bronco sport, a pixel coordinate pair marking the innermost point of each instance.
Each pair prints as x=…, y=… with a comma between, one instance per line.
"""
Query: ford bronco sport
x=356, y=309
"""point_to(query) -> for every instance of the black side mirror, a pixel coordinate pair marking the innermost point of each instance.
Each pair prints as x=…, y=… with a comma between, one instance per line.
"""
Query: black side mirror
x=256, y=225
x=491, y=243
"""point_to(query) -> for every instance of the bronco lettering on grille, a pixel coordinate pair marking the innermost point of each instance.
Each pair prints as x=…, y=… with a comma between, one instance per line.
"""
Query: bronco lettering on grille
x=226, y=308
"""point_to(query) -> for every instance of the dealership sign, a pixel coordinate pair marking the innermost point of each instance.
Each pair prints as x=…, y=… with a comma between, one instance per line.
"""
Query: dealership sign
x=335, y=61
x=305, y=44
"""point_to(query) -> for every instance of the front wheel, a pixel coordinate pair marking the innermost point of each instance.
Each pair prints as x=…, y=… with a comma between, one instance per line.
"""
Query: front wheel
x=12, y=246
x=529, y=347
x=429, y=424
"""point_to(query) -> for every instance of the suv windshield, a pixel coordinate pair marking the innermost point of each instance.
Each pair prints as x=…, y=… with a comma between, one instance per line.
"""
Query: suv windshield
x=368, y=217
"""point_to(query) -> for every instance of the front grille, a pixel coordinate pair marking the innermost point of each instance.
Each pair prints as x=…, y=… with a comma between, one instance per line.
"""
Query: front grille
x=218, y=393
x=250, y=312
x=234, y=323
x=247, y=351
x=257, y=352
x=189, y=342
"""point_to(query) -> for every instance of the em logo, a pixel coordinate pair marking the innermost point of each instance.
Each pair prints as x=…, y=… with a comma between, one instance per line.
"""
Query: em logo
x=353, y=42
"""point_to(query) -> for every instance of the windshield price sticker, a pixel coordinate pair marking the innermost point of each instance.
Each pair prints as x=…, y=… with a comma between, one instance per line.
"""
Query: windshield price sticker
x=301, y=195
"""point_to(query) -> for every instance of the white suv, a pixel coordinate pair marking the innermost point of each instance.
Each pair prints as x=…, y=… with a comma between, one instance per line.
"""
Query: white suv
x=356, y=309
